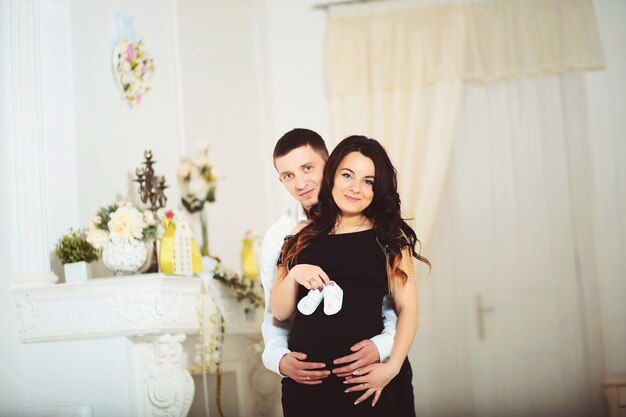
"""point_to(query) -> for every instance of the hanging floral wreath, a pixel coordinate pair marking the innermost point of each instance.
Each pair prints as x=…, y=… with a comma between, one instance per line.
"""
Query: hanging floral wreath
x=133, y=70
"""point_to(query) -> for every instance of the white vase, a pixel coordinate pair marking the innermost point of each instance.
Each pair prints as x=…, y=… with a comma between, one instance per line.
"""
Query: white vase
x=77, y=272
x=124, y=256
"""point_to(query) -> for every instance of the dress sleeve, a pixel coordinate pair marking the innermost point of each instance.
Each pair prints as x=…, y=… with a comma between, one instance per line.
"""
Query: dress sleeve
x=286, y=245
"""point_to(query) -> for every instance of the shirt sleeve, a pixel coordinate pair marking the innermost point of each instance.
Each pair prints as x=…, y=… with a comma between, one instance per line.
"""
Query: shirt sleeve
x=274, y=332
x=384, y=341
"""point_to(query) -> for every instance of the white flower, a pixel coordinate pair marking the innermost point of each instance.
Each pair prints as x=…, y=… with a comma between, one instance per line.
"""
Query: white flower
x=148, y=217
x=184, y=171
x=159, y=231
x=96, y=220
x=201, y=161
x=198, y=186
x=97, y=237
x=126, y=223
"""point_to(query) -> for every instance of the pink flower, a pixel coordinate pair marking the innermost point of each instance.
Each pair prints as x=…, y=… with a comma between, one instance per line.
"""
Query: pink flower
x=169, y=214
x=130, y=53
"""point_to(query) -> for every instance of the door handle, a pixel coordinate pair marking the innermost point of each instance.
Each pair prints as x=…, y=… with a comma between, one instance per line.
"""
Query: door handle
x=481, y=310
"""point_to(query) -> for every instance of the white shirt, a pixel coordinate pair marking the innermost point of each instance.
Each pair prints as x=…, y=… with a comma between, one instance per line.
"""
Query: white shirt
x=275, y=332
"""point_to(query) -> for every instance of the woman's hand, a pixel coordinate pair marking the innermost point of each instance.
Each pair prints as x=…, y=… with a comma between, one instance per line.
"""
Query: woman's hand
x=309, y=276
x=371, y=379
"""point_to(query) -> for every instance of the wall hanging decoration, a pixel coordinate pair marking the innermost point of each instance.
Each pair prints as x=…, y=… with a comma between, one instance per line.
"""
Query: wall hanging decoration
x=133, y=70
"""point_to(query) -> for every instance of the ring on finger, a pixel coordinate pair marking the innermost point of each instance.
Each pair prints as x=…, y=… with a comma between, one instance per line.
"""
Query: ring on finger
x=365, y=386
x=308, y=378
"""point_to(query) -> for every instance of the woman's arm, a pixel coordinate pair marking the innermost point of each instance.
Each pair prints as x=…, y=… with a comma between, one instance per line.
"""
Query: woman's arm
x=406, y=303
x=285, y=290
x=375, y=377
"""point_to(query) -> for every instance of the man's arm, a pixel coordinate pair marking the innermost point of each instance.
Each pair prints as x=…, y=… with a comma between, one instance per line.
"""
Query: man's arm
x=275, y=332
x=276, y=355
x=384, y=341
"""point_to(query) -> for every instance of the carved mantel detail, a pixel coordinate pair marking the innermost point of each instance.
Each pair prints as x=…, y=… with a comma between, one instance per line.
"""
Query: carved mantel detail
x=166, y=387
x=157, y=312
x=108, y=307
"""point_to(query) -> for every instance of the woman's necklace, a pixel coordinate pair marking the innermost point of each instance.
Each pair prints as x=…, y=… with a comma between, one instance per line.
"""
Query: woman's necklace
x=336, y=229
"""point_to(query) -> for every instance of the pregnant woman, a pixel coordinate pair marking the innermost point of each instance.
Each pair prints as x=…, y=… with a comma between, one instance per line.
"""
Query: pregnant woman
x=333, y=274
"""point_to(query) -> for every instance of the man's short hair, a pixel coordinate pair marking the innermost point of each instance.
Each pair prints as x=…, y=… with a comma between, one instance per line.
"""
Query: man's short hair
x=297, y=138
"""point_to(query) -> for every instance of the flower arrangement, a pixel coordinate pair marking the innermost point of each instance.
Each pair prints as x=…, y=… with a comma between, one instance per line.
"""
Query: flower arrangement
x=133, y=70
x=73, y=247
x=121, y=231
x=196, y=176
x=198, y=184
x=121, y=222
x=245, y=289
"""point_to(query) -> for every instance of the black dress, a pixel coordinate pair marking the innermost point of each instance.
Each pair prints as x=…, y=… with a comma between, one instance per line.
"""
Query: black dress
x=356, y=262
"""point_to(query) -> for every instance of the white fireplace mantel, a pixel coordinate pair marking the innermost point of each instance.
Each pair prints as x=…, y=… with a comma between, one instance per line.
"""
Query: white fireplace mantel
x=156, y=312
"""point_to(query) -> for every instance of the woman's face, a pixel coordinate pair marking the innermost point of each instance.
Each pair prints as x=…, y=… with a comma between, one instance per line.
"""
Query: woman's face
x=353, y=187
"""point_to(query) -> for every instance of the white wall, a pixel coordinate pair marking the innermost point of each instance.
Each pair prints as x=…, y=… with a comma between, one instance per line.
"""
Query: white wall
x=296, y=69
x=110, y=135
x=222, y=56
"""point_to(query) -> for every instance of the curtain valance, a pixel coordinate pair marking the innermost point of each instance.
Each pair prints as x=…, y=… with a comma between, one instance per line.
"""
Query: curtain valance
x=388, y=46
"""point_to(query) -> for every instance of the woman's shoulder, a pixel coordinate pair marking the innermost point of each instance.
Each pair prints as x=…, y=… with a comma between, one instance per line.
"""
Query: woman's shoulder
x=398, y=240
x=298, y=228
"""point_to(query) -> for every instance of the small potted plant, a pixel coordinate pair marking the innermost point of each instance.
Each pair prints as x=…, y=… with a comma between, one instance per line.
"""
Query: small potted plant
x=75, y=254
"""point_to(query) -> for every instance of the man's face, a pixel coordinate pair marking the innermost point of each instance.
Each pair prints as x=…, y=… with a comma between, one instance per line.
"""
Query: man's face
x=301, y=172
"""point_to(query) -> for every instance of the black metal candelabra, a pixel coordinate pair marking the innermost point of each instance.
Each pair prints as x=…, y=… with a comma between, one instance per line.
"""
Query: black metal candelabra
x=152, y=193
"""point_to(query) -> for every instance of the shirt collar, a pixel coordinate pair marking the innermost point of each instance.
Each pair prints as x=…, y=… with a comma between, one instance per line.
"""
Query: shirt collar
x=298, y=214
x=302, y=217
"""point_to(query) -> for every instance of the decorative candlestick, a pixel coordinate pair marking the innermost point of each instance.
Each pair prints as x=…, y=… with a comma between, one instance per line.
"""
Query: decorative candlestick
x=152, y=193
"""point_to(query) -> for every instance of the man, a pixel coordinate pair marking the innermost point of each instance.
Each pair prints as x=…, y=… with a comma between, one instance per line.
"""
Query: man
x=299, y=158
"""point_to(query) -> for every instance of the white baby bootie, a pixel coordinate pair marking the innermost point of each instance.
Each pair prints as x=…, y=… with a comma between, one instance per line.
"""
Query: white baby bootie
x=308, y=304
x=333, y=298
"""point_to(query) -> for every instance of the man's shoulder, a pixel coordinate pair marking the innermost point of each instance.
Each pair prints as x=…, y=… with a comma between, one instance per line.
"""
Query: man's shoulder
x=281, y=228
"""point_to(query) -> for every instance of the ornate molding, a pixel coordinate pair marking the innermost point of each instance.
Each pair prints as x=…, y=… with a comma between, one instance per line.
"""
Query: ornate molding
x=165, y=387
x=155, y=311
x=265, y=385
x=26, y=141
x=146, y=304
x=109, y=307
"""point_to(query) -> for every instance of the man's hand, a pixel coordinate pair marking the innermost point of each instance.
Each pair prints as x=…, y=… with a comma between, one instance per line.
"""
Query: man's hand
x=365, y=353
x=294, y=366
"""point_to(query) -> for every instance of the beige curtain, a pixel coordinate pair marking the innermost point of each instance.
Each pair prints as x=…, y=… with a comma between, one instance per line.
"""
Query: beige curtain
x=395, y=72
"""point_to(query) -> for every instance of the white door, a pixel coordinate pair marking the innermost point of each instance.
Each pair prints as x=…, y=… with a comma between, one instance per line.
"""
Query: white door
x=504, y=320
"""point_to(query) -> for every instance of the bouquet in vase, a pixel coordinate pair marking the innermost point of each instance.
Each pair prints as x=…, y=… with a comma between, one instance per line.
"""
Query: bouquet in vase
x=122, y=231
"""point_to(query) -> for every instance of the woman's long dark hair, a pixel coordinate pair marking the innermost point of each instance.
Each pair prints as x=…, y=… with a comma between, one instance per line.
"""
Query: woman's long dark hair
x=393, y=233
